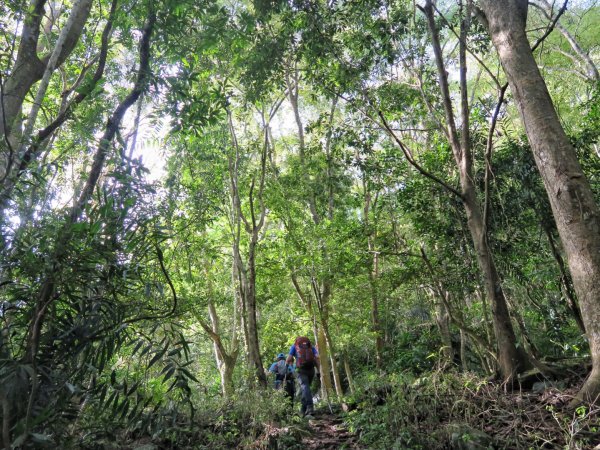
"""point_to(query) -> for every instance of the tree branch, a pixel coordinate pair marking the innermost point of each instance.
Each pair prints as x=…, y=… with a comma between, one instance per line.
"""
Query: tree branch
x=443, y=82
x=550, y=28
x=463, y=40
x=43, y=134
x=458, y=321
x=113, y=123
x=488, y=152
x=410, y=159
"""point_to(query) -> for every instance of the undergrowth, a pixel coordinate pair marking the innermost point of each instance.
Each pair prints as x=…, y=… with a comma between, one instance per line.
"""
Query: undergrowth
x=253, y=419
x=448, y=410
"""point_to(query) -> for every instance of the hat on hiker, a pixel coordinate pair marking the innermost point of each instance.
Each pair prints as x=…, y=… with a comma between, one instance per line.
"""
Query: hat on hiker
x=281, y=356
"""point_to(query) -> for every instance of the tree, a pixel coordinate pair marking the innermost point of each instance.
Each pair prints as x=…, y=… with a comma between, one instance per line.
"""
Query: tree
x=48, y=286
x=573, y=204
x=321, y=285
x=252, y=223
x=28, y=68
x=510, y=359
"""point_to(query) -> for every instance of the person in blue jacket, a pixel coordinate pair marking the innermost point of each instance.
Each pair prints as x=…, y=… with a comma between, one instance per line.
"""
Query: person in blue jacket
x=307, y=360
x=280, y=369
x=284, y=376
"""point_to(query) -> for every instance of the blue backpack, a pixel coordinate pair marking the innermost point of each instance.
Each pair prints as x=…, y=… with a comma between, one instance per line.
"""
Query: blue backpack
x=280, y=370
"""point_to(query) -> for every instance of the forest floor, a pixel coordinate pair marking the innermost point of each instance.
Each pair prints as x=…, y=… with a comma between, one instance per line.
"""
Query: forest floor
x=329, y=432
x=447, y=411
x=438, y=411
x=325, y=430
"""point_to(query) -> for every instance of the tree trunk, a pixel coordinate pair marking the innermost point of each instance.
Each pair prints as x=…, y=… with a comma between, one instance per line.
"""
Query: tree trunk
x=323, y=295
x=28, y=69
x=252, y=227
x=584, y=57
x=253, y=345
x=487, y=322
x=442, y=319
x=463, y=351
x=454, y=317
x=238, y=280
x=226, y=372
x=322, y=291
x=78, y=17
x=510, y=359
x=45, y=136
x=319, y=338
x=326, y=385
x=575, y=210
x=334, y=367
x=243, y=287
x=373, y=275
x=225, y=360
x=375, y=322
x=565, y=281
x=349, y=375
x=528, y=343
x=6, y=355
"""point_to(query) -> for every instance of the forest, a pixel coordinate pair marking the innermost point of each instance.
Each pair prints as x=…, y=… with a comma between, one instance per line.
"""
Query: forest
x=188, y=186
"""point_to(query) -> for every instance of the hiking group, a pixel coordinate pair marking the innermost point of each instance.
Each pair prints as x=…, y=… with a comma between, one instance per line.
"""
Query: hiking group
x=286, y=372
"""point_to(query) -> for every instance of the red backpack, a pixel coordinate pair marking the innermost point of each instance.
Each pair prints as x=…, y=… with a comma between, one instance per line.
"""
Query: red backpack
x=305, y=358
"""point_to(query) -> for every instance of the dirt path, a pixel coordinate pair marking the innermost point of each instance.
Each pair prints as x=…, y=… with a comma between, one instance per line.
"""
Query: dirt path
x=328, y=432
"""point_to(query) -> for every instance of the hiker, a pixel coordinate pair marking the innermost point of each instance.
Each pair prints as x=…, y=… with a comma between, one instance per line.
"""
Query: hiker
x=280, y=369
x=307, y=360
x=284, y=376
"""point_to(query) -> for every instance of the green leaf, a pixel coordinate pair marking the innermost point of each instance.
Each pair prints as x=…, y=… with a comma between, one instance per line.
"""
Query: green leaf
x=158, y=355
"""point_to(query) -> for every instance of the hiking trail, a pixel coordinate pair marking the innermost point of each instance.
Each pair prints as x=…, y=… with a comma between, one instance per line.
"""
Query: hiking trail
x=329, y=432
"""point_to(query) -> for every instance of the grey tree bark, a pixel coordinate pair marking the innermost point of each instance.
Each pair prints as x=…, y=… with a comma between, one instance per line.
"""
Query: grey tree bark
x=226, y=359
x=349, y=375
x=307, y=301
x=78, y=17
x=511, y=360
x=573, y=205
